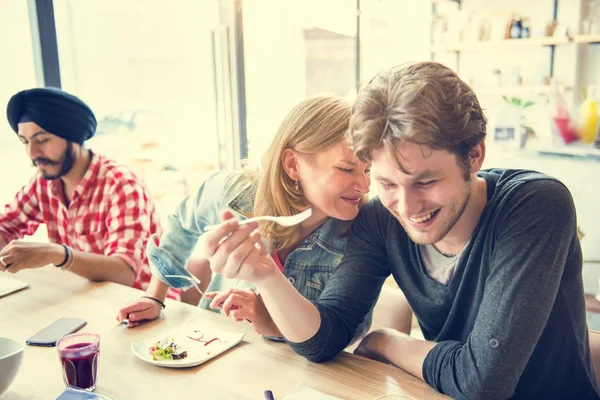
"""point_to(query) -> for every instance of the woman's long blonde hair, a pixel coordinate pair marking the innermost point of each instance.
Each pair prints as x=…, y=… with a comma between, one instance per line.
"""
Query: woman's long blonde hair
x=312, y=126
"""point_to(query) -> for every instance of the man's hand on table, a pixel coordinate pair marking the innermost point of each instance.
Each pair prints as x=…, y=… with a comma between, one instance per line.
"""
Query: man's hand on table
x=20, y=254
x=374, y=343
x=397, y=348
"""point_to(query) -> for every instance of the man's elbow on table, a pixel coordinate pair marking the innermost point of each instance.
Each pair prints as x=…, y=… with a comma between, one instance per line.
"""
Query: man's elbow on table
x=317, y=353
x=474, y=387
x=319, y=357
x=486, y=388
x=450, y=369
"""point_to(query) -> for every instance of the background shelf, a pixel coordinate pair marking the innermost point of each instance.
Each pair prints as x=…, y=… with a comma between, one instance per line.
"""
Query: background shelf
x=581, y=152
x=493, y=44
x=586, y=39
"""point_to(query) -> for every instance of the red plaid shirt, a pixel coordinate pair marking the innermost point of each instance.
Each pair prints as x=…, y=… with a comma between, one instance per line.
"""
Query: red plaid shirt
x=111, y=213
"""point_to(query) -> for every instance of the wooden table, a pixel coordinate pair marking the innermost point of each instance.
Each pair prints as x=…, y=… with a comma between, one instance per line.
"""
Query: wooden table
x=244, y=372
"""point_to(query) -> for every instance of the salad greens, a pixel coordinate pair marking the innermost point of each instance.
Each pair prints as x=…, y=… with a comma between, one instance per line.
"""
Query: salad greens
x=167, y=349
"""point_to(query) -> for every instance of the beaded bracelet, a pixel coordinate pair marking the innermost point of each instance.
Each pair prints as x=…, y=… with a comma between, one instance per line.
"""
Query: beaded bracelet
x=162, y=305
x=71, y=262
x=66, y=257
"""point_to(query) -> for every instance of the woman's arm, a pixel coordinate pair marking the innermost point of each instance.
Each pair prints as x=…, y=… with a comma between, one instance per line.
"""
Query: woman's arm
x=296, y=317
x=237, y=251
x=317, y=331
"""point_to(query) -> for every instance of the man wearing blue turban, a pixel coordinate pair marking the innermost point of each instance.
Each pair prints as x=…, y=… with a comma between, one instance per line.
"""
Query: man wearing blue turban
x=98, y=214
x=60, y=113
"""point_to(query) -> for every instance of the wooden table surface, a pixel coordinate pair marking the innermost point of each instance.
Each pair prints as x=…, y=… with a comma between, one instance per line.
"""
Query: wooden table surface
x=243, y=372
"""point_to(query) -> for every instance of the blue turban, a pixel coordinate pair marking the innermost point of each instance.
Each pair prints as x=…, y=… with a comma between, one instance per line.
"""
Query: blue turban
x=57, y=112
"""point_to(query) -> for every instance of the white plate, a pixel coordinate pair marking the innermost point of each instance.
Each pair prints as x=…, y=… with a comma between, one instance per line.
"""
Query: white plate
x=198, y=351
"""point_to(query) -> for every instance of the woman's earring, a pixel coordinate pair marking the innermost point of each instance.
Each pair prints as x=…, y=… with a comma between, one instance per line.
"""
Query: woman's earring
x=297, y=186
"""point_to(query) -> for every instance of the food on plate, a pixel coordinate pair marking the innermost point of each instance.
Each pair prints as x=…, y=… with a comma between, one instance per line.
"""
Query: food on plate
x=167, y=349
x=205, y=341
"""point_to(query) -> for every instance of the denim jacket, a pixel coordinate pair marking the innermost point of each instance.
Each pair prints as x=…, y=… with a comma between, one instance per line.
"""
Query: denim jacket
x=307, y=267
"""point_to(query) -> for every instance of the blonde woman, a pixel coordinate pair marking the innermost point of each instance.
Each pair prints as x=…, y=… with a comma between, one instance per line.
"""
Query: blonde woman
x=308, y=165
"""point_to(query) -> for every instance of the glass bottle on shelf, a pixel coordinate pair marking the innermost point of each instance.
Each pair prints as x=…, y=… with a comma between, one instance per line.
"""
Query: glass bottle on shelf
x=588, y=114
x=525, y=31
x=590, y=25
x=515, y=29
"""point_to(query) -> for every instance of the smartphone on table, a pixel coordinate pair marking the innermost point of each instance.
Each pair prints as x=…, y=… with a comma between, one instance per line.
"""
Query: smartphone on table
x=56, y=330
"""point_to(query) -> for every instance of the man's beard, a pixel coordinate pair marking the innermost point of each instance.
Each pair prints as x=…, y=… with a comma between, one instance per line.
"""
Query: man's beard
x=456, y=213
x=67, y=160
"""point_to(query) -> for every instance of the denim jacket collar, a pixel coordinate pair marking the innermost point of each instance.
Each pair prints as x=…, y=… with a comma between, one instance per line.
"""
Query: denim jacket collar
x=243, y=202
x=332, y=234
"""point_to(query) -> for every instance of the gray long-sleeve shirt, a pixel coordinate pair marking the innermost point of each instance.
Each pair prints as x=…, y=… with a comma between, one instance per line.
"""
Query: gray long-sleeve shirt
x=511, y=321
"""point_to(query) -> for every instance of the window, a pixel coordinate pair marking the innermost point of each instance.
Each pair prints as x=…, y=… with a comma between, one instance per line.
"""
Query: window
x=308, y=49
x=18, y=73
x=146, y=70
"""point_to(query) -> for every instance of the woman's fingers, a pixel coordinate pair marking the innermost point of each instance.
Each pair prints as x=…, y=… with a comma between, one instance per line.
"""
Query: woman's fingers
x=219, y=298
x=226, y=214
x=240, y=315
x=233, y=302
x=216, y=236
x=213, y=238
x=239, y=257
x=259, y=244
x=250, y=262
x=233, y=246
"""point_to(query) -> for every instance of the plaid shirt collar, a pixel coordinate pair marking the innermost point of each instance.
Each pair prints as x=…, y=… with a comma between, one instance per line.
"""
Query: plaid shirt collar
x=91, y=174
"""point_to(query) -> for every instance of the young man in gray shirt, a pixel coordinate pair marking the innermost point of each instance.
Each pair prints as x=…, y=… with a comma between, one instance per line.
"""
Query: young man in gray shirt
x=489, y=260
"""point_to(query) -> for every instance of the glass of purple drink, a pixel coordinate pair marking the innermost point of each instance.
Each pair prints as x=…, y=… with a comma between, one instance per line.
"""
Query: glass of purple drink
x=78, y=355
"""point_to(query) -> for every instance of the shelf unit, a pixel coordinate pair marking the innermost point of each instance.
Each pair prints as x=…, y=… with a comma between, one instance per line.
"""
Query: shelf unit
x=587, y=154
x=513, y=90
x=579, y=152
x=549, y=42
x=586, y=39
x=538, y=41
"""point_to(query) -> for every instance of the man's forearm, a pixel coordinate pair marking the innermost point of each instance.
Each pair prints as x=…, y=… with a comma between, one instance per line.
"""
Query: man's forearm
x=3, y=242
x=399, y=349
x=296, y=317
x=98, y=267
